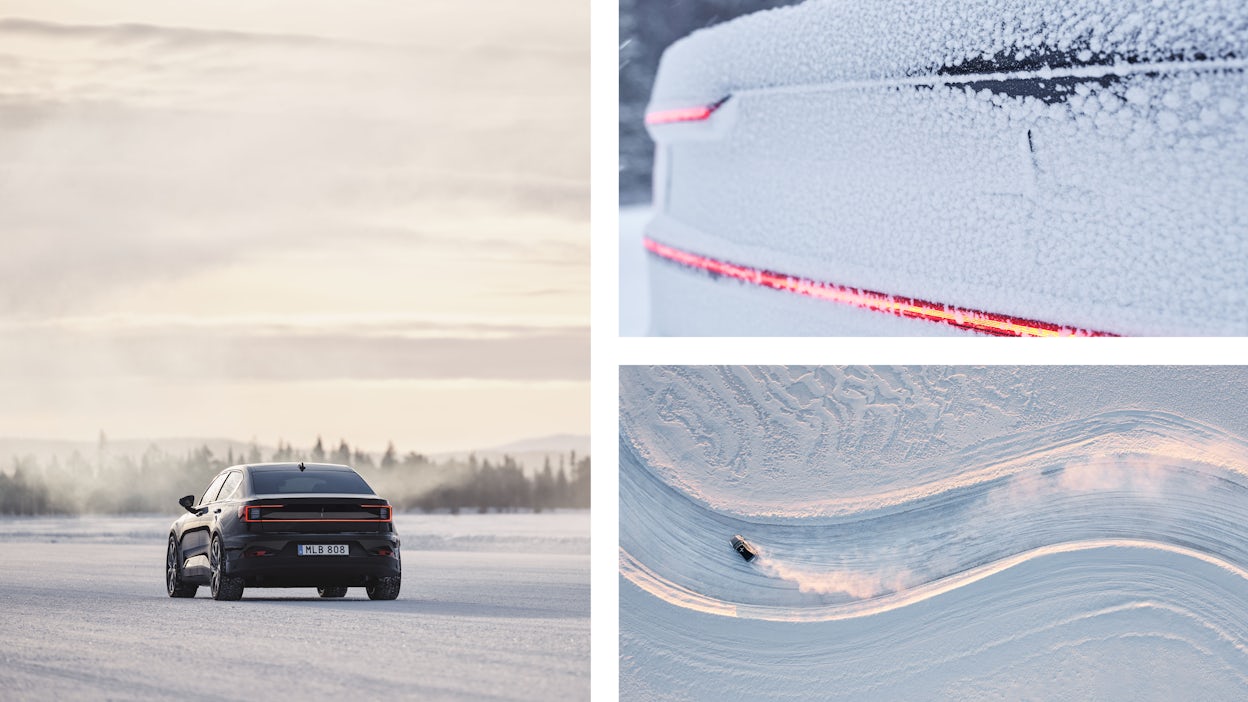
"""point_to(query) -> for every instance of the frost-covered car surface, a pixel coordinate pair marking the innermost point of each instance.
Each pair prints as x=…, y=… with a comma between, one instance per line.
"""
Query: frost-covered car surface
x=284, y=525
x=1001, y=167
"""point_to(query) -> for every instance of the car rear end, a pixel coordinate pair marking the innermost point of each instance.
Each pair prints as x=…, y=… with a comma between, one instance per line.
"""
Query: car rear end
x=313, y=540
x=1015, y=168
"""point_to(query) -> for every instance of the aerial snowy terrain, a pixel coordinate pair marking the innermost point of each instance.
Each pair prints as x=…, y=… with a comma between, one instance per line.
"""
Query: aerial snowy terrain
x=934, y=533
x=493, y=607
x=983, y=166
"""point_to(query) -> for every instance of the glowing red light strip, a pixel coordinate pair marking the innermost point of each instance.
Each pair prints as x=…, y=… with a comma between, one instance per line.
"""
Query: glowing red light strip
x=247, y=515
x=974, y=320
x=681, y=114
x=288, y=521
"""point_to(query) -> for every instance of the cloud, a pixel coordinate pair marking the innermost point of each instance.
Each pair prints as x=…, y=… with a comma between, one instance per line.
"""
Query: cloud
x=172, y=37
x=136, y=152
x=149, y=35
x=57, y=356
x=218, y=198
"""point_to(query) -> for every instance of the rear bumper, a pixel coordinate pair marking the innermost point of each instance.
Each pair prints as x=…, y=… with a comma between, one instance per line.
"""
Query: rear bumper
x=362, y=566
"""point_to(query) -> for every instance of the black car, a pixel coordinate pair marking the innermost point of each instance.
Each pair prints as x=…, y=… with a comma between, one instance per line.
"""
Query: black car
x=284, y=525
x=743, y=547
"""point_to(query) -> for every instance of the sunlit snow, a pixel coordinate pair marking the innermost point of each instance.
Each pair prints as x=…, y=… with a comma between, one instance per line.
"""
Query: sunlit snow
x=933, y=533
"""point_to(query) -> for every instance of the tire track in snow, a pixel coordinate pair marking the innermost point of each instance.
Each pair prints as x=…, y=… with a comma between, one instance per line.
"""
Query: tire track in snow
x=1159, y=435
x=872, y=604
x=1162, y=482
x=1119, y=605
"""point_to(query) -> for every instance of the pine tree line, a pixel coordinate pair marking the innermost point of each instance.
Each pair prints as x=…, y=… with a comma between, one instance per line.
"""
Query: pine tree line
x=154, y=481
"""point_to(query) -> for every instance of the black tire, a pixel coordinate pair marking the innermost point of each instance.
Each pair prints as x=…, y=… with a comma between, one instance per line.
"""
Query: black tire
x=384, y=589
x=224, y=587
x=173, y=572
x=331, y=591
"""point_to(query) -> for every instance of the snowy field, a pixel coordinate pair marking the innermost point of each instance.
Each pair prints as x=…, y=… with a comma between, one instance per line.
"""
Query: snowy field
x=493, y=607
x=634, y=285
x=1003, y=533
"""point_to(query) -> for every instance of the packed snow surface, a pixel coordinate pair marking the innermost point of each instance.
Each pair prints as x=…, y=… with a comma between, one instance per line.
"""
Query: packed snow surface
x=493, y=607
x=634, y=290
x=998, y=533
x=1079, y=163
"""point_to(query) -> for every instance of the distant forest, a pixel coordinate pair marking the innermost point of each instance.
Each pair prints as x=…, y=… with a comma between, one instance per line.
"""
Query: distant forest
x=153, y=482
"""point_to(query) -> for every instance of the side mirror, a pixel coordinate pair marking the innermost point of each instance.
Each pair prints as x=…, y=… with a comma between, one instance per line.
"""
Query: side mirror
x=188, y=503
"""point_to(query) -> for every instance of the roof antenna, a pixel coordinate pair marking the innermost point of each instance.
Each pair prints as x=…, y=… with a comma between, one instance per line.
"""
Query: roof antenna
x=301, y=466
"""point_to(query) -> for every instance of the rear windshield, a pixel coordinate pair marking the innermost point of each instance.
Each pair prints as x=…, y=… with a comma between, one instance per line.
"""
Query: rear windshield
x=271, y=482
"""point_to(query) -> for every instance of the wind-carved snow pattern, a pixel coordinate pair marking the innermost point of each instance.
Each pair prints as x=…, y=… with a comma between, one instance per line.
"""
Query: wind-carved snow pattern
x=1091, y=539
x=1077, y=163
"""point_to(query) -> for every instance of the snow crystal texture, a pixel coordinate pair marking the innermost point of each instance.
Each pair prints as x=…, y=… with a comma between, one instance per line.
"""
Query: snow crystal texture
x=1082, y=163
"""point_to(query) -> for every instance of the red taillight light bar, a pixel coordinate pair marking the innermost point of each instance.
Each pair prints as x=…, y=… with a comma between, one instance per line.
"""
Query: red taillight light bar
x=252, y=514
x=384, y=512
x=683, y=114
x=973, y=320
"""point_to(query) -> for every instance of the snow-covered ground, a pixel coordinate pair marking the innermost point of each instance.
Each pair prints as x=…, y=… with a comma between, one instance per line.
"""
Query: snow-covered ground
x=930, y=533
x=634, y=286
x=493, y=607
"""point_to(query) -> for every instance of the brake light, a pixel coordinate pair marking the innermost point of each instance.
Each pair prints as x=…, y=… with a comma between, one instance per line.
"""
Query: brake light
x=682, y=114
x=912, y=308
x=383, y=511
x=255, y=513
x=251, y=513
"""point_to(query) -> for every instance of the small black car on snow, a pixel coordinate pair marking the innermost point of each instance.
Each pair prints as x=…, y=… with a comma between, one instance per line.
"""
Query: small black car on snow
x=284, y=525
x=743, y=547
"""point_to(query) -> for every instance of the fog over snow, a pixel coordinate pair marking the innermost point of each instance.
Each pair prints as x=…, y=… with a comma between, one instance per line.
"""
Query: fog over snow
x=280, y=218
x=934, y=533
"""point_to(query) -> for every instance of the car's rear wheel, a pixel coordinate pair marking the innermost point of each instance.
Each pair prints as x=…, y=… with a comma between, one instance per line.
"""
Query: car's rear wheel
x=173, y=572
x=331, y=591
x=384, y=589
x=224, y=587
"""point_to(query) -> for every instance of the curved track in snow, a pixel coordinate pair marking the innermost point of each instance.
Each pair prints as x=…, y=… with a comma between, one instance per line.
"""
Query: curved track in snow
x=1121, y=537
x=1006, y=505
x=1116, y=623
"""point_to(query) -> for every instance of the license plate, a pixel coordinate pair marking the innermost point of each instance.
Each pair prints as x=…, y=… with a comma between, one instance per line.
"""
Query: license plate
x=323, y=550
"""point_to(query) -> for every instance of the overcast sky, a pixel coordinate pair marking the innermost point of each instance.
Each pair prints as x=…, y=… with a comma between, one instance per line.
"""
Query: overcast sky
x=284, y=218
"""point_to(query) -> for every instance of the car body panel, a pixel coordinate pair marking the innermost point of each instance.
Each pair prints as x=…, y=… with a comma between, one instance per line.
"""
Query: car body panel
x=1093, y=187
